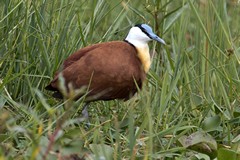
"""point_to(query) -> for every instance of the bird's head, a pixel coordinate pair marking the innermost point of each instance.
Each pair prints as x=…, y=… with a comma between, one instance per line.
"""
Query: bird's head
x=142, y=33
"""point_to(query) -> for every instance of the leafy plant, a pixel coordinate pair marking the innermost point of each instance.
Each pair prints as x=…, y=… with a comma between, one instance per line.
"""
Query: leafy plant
x=192, y=89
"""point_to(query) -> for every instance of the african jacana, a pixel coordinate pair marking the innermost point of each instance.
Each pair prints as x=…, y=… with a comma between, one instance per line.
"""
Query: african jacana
x=110, y=70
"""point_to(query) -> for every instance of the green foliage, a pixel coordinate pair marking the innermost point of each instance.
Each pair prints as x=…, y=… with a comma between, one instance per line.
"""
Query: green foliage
x=192, y=90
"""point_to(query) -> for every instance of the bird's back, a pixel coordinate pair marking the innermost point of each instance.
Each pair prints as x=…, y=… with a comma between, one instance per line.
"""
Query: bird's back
x=109, y=70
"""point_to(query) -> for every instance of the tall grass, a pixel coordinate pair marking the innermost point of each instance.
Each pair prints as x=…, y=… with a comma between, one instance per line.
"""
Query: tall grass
x=189, y=103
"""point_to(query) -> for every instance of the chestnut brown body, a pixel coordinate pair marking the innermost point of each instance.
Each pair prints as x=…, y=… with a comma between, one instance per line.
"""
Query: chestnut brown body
x=110, y=70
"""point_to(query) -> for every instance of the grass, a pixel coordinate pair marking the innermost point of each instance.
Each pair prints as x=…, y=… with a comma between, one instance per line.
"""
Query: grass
x=189, y=107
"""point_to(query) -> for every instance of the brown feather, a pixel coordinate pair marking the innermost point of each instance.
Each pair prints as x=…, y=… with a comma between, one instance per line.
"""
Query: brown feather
x=110, y=70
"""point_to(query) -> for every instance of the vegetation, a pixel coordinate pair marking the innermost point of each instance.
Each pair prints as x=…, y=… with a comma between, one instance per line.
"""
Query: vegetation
x=189, y=107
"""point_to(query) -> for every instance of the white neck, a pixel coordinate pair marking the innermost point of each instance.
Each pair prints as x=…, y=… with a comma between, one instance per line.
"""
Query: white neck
x=142, y=53
x=139, y=39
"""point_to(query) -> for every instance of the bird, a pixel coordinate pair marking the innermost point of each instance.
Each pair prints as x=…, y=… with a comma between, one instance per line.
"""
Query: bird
x=108, y=70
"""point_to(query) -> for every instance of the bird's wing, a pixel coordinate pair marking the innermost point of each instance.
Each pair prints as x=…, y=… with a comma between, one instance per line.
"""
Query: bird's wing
x=108, y=69
x=79, y=54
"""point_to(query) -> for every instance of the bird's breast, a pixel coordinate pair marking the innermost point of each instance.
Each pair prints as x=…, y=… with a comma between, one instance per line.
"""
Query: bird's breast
x=144, y=56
